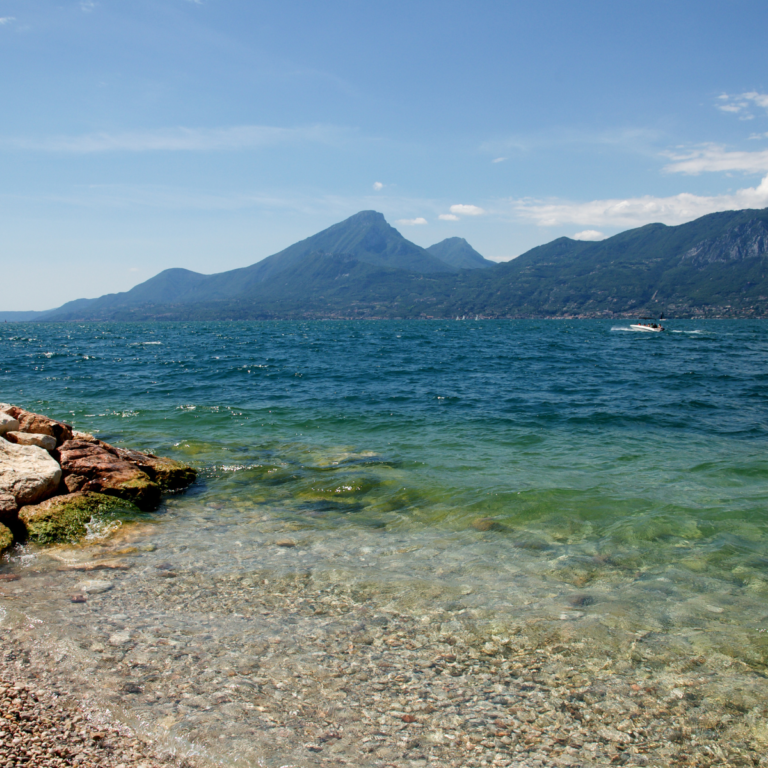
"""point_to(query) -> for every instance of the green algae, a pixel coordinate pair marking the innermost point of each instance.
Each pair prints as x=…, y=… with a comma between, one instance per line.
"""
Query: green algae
x=64, y=519
x=6, y=538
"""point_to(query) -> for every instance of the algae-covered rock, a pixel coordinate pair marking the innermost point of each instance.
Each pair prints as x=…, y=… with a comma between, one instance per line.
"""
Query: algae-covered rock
x=6, y=538
x=169, y=474
x=64, y=518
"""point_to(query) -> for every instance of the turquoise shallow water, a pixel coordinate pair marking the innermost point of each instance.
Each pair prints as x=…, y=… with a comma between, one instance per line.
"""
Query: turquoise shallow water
x=507, y=471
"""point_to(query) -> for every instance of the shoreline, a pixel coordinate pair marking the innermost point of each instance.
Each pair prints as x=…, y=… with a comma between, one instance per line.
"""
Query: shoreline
x=43, y=727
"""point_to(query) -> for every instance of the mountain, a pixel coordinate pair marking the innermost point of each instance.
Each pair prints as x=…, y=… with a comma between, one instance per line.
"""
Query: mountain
x=458, y=253
x=21, y=317
x=366, y=236
x=715, y=266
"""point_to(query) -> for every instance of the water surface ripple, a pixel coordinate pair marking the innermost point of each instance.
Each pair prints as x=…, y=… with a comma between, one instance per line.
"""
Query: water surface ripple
x=502, y=473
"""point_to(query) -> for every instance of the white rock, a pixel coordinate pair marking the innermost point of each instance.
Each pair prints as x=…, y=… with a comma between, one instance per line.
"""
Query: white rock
x=94, y=586
x=29, y=438
x=7, y=423
x=120, y=638
x=27, y=472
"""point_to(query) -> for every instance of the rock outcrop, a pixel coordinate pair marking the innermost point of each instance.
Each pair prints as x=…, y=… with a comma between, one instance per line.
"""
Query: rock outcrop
x=34, y=423
x=53, y=479
x=97, y=467
x=170, y=475
x=27, y=438
x=7, y=423
x=28, y=473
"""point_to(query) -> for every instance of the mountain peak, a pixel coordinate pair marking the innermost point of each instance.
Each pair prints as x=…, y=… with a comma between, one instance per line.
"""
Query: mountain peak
x=459, y=254
x=364, y=217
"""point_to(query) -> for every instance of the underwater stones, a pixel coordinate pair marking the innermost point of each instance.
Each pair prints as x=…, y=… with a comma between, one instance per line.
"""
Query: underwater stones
x=35, y=423
x=27, y=473
x=6, y=538
x=94, y=587
x=64, y=518
x=580, y=601
x=105, y=472
x=30, y=438
x=7, y=423
x=484, y=524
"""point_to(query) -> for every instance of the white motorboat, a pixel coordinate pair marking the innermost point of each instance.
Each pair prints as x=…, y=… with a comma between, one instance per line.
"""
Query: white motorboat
x=649, y=327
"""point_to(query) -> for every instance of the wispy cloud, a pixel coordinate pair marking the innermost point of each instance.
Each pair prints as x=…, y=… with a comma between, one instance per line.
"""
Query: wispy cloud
x=86, y=6
x=636, y=211
x=466, y=210
x=716, y=158
x=179, y=139
x=636, y=140
x=589, y=234
x=6, y=20
x=448, y=217
x=411, y=222
x=742, y=104
x=377, y=186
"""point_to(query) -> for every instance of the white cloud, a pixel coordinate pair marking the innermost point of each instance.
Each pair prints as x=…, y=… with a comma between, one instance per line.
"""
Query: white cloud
x=411, y=222
x=6, y=19
x=499, y=160
x=589, y=234
x=741, y=104
x=377, y=185
x=178, y=139
x=716, y=158
x=86, y=6
x=466, y=210
x=633, y=212
x=448, y=217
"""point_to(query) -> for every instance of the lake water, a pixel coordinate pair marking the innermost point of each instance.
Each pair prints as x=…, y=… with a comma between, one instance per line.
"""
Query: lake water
x=496, y=475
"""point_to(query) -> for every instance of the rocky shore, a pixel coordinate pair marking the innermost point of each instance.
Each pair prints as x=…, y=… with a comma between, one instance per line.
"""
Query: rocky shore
x=54, y=480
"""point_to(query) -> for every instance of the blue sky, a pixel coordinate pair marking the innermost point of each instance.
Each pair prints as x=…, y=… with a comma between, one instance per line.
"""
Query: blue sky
x=208, y=134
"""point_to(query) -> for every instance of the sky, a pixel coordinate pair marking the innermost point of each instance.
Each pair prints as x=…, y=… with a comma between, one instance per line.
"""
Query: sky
x=208, y=134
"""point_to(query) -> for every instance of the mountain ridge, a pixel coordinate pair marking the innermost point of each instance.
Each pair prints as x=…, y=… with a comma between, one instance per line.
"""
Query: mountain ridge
x=715, y=266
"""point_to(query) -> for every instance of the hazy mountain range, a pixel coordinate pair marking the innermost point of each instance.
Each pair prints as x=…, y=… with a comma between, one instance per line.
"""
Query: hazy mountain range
x=715, y=266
